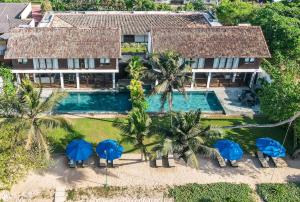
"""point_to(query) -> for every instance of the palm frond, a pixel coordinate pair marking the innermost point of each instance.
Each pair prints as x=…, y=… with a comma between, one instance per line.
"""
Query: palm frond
x=54, y=122
x=49, y=103
x=209, y=151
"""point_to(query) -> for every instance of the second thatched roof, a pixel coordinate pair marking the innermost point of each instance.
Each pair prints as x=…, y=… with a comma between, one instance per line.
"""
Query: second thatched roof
x=211, y=42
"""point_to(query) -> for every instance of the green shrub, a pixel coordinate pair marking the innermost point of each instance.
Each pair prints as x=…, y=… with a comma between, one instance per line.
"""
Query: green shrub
x=218, y=192
x=279, y=192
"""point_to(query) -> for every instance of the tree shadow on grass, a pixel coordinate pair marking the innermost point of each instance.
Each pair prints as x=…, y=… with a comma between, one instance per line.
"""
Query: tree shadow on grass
x=62, y=137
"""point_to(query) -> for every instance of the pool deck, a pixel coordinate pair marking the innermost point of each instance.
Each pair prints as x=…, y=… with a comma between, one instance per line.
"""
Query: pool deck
x=228, y=98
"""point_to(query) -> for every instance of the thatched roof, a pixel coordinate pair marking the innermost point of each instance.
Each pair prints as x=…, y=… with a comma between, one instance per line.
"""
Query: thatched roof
x=130, y=23
x=10, y=16
x=63, y=43
x=211, y=42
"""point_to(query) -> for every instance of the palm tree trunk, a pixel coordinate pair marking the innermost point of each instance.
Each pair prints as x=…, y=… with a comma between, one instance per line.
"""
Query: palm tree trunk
x=165, y=161
x=170, y=109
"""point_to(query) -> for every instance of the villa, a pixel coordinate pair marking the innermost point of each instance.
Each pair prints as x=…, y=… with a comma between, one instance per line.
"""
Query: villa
x=78, y=50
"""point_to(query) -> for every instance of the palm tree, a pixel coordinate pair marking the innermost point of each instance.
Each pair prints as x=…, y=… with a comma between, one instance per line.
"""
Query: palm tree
x=32, y=111
x=136, y=129
x=169, y=75
x=186, y=139
x=136, y=68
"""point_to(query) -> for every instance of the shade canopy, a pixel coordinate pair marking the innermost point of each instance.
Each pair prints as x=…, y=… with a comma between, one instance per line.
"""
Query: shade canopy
x=229, y=149
x=79, y=150
x=109, y=149
x=270, y=147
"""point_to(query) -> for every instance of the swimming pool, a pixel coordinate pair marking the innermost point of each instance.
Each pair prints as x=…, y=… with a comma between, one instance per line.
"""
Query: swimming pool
x=118, y=102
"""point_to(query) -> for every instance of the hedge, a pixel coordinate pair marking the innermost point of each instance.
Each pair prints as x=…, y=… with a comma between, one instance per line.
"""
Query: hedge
x=279, y=192
x=217, y=192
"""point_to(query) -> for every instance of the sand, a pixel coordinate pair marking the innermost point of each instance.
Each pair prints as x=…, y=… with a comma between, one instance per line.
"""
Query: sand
x=130, y=171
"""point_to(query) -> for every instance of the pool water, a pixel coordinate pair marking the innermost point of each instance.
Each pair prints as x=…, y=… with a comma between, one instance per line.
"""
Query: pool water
x=118, y=102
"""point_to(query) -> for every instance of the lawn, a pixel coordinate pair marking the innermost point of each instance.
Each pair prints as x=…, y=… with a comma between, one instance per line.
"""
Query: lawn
x=212, y=192
x=95, y=130
x=279, y=192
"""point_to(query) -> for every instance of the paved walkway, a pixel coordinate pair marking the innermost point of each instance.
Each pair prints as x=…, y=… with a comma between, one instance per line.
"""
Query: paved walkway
x=130, y=171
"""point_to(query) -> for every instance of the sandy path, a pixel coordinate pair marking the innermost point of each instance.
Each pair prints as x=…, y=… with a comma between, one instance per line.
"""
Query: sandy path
x=129, y=171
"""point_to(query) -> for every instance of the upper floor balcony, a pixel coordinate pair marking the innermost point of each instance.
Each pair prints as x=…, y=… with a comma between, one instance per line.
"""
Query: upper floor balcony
x=71, y=64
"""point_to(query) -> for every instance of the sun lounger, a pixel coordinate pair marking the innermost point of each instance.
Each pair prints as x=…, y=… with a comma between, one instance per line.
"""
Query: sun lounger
x=221, y=161
x=279, y=162
x=72, y=164
x=85, y=163
x=262, y=160
x=234, y=163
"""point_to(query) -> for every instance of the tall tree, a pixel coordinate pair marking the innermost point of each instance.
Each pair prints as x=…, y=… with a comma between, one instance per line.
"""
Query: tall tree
x=170, y=74
x=186, y=138
x=143, y=5
x=235, y=12
x=46, y=6
x=30, y=110
x=280, y=99
x=281, y=30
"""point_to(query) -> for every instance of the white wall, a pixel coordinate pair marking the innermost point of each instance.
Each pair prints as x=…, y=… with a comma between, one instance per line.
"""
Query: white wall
x=26, y=12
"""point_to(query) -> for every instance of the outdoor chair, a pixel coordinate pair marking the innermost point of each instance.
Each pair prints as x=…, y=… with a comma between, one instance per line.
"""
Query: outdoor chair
x=72, y=164
x=278, y=162
x=234, y=163
x=221, y=161
x=264, y=163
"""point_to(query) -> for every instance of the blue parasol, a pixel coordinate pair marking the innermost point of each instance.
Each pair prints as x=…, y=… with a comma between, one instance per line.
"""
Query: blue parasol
x=270, y=147
x=79, y=150
x=229, y=149
x=109, y=149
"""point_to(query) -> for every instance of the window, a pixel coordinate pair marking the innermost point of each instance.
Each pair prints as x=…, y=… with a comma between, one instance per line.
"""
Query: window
x=193, y=63
x=201, y=62
x=89, y=63
x=22, y=61
x=104, y=60
x=73, y=63
x=222, y=63
x=229, y=63
x=49, y=63
x=249, y=60
x=235, y=63
x=140, y=38
x=128, y=38
x=42, y=63
x=216, y=63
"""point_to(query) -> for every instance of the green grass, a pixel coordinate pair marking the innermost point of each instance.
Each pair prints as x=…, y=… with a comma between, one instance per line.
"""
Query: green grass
x=90, y=129
x=246, y=136
x=95, y=130
x=279, y=192
x=217, y=192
